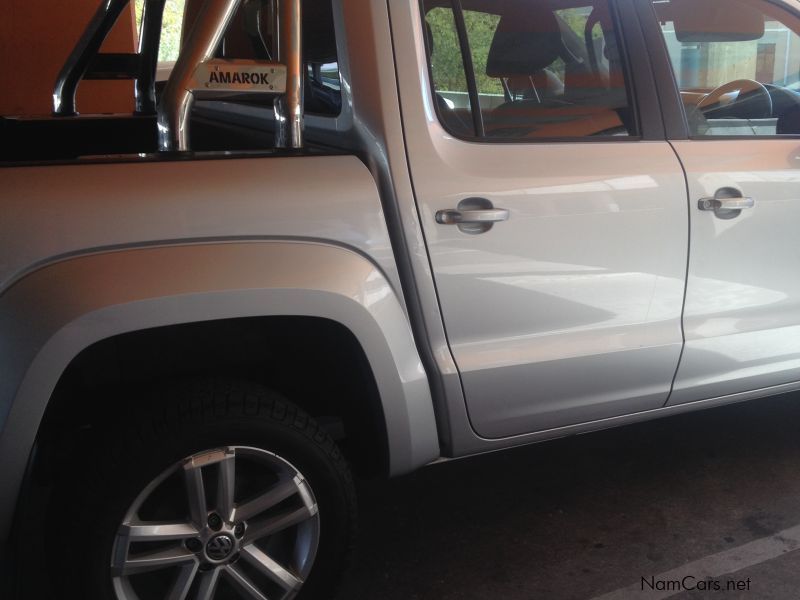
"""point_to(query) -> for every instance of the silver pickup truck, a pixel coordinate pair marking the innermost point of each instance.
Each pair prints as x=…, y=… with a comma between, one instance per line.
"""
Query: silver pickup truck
x=370, y=235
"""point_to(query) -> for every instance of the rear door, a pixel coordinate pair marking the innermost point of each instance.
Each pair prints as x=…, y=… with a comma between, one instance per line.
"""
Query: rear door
x=737, y=68
x=554, y=210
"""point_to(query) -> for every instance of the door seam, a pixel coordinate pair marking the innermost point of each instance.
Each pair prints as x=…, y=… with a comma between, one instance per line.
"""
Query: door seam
x=686, y=275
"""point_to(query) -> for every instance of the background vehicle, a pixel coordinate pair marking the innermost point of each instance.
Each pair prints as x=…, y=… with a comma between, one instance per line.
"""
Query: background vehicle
x=504, y=223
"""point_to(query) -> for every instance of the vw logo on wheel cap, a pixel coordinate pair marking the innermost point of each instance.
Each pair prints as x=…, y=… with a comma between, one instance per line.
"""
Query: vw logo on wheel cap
x=219, y=547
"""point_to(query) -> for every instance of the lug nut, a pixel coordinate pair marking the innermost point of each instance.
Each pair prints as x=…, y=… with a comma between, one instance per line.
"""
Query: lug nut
x=238, y=531
x=215, y=521
x=205, y=566
x=194, y=545
x=235, y=557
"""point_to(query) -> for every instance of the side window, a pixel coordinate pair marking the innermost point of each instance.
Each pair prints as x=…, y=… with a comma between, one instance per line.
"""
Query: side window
x=530, y=69
x=737, y=65
x=481, y=28
x=448, y=71
x=323, y=89
x=323, y=94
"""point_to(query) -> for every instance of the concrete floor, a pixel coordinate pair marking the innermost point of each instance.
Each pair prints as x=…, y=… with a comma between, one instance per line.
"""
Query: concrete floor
x=585, y=516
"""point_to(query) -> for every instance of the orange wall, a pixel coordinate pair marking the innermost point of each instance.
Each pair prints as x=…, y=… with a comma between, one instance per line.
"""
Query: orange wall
x=36, y=36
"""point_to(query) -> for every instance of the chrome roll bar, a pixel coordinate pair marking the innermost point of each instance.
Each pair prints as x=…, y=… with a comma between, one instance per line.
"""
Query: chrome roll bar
x=198, y=47
x=289, y=108
x=87, y=62
x=196, y=73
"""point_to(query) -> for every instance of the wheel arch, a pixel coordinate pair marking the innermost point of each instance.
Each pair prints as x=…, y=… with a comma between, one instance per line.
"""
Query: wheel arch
x=51, y=316
x=105, y=383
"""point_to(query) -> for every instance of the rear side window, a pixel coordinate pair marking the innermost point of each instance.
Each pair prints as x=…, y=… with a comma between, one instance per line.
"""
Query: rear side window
x=323, y=94
x=737, y=65
x=528, y=69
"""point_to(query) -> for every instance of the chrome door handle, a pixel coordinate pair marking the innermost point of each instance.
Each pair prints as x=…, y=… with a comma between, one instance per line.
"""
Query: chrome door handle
x=488, y=215
x=716, y=204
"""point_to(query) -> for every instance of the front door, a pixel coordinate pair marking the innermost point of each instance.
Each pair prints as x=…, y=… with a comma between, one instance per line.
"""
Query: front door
x=554, y=210
x=737, y=66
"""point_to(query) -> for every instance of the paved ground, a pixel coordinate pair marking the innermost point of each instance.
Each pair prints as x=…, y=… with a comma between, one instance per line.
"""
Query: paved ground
x=591, y=515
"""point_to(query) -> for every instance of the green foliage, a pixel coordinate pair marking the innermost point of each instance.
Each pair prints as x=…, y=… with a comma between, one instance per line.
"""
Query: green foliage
x=480, y=30
x=170, y=28
x=446, y=63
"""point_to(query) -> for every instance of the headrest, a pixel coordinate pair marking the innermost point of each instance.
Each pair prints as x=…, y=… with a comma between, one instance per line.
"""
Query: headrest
x=527, y=40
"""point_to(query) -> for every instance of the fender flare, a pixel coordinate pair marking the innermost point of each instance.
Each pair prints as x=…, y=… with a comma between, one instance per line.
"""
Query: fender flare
x=52, y=314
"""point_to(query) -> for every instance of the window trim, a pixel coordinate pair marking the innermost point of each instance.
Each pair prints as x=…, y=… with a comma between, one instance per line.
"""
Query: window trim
x=469, y=69
x=676, y=120
x=621, y=16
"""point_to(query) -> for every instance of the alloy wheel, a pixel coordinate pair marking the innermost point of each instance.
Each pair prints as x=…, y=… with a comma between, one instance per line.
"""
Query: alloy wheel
x=233, y=522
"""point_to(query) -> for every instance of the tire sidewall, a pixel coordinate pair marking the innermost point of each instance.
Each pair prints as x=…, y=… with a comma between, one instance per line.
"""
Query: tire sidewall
x=138, y=460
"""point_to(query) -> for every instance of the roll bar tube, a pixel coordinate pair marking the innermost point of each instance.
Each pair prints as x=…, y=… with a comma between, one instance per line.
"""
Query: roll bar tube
x=199, y=46
x=210, y=25
x=196, y=72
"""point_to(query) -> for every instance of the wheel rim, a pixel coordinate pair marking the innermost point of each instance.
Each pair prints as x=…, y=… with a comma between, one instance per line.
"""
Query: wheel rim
x=234, y=522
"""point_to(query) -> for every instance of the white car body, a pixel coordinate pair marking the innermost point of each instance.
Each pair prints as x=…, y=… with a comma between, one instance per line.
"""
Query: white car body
x=607, y=297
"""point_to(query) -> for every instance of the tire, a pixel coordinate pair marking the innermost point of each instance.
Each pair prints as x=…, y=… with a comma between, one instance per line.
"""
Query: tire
x=293, y=501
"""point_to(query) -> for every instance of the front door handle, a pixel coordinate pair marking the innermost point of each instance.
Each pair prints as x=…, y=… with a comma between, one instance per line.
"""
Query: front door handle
x=727, y=203
x=488, y=215
x=715, y=204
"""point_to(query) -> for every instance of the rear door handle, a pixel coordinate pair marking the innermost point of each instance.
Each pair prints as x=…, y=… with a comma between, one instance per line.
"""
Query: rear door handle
x=488, y=215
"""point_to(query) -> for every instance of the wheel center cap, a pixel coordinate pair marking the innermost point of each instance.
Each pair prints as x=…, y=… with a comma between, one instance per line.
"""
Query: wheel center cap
x=219, y=547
